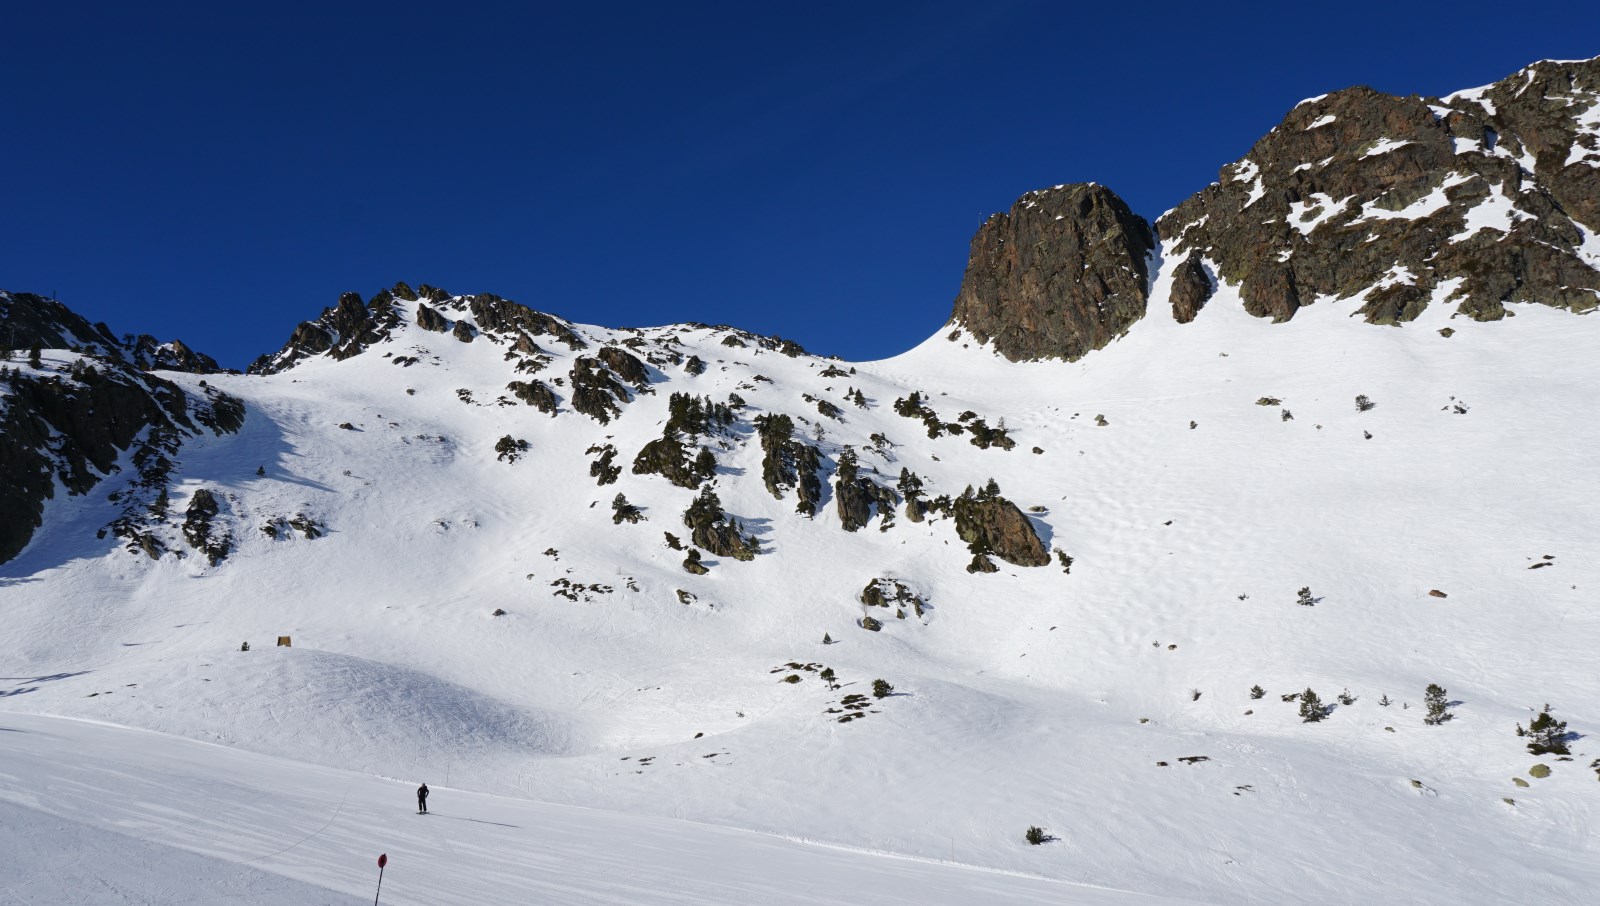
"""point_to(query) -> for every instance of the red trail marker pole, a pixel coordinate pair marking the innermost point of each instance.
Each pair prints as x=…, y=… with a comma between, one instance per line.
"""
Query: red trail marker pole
x=382, y=861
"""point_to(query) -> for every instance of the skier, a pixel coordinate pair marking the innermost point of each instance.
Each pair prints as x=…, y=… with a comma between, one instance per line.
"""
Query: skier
x=422, y=799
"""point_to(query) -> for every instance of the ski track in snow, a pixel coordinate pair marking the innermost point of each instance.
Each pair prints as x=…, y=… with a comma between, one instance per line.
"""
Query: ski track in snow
x=142, y=817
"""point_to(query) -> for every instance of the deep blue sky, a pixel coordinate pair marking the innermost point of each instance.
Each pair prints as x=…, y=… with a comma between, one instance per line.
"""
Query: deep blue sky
x=219, y=172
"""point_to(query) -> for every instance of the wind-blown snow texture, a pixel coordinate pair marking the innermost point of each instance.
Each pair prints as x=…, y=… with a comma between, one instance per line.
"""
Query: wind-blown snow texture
x=1028, y=696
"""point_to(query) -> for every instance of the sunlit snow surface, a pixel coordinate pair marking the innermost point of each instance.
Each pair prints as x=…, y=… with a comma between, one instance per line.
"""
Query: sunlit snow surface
x=1021, y=694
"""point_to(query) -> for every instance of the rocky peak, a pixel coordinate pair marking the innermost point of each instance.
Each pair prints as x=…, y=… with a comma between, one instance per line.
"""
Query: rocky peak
x=340, y=332
x=33, y=320
x=1479, y=199
x=1063, y=273
x=153, y=355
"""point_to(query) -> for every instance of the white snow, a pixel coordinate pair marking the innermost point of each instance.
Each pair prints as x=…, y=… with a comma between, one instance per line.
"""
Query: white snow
x=1384, y=146
x=1497, y=212
x=1306, y=216
x=1426, y=206
x=1246, y=170
x=1323, y=120
x=1026, y=697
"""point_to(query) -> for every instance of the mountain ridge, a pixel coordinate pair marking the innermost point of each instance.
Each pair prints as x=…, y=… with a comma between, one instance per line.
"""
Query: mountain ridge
x=660, y=569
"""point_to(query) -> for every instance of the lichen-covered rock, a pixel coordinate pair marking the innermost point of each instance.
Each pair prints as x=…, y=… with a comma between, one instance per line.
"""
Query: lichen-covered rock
x=1063, y=273
x=993, y=524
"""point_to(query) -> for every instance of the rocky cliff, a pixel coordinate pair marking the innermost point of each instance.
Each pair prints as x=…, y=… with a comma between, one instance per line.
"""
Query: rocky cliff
x=1477, y=200
x=1065, y=272
x=86, y=410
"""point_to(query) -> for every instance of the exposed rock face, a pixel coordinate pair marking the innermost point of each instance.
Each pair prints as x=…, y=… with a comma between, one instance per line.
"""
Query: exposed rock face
x=788, y=463
x=152, y=355
x=1064, y=273
x=715, y=531
x=73, y=425
x=340, y=332
x=1191, y=288
x=854, y=494
x=1481, y=198
x=32, y=320
x=428, y=319
x=503, y=316
x=210, y=541
x=668, y=456
x=595, y=392
x=625, y=364
x=535, y=394
x=993, y=524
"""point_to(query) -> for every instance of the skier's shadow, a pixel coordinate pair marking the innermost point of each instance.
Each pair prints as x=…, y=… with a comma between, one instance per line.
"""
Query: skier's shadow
x=473, y=820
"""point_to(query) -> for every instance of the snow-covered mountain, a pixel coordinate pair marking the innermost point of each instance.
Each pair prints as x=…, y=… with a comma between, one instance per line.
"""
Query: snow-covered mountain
x=1100, y=534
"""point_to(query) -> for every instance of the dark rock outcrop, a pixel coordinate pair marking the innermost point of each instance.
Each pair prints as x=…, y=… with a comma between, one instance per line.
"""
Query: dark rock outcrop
x=503, y=316
x=1483, y=195
x=994, y=525
x=625, y=364
x=1064, y=273
x=715, y=531
x=428, y=319
x=74, y=426
x=33, y=320
x=341, y=332
x=1191, y=288
x=535, y=394
x=595, y=392
x=885, y=592
x=668, y=456
x=152, y=355
x=855, y=495
x=211, y=541
x=788, y=463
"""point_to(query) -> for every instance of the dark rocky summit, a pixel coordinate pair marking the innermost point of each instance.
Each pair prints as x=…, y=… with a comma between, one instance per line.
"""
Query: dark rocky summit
x=1483, y=198
x=1064, y=273
x=340, y=332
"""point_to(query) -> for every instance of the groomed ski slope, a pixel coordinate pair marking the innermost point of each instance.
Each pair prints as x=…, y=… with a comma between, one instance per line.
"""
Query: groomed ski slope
x=1026, y=697
x=136, y=817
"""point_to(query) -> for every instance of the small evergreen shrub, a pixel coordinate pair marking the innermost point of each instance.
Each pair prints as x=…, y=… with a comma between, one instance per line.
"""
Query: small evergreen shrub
x=881, y=689
x=1438, y=704
x=1035, y=835
x=1546, y=735
x=1363, y=404
x=1257, y=692
x=1312, y=709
